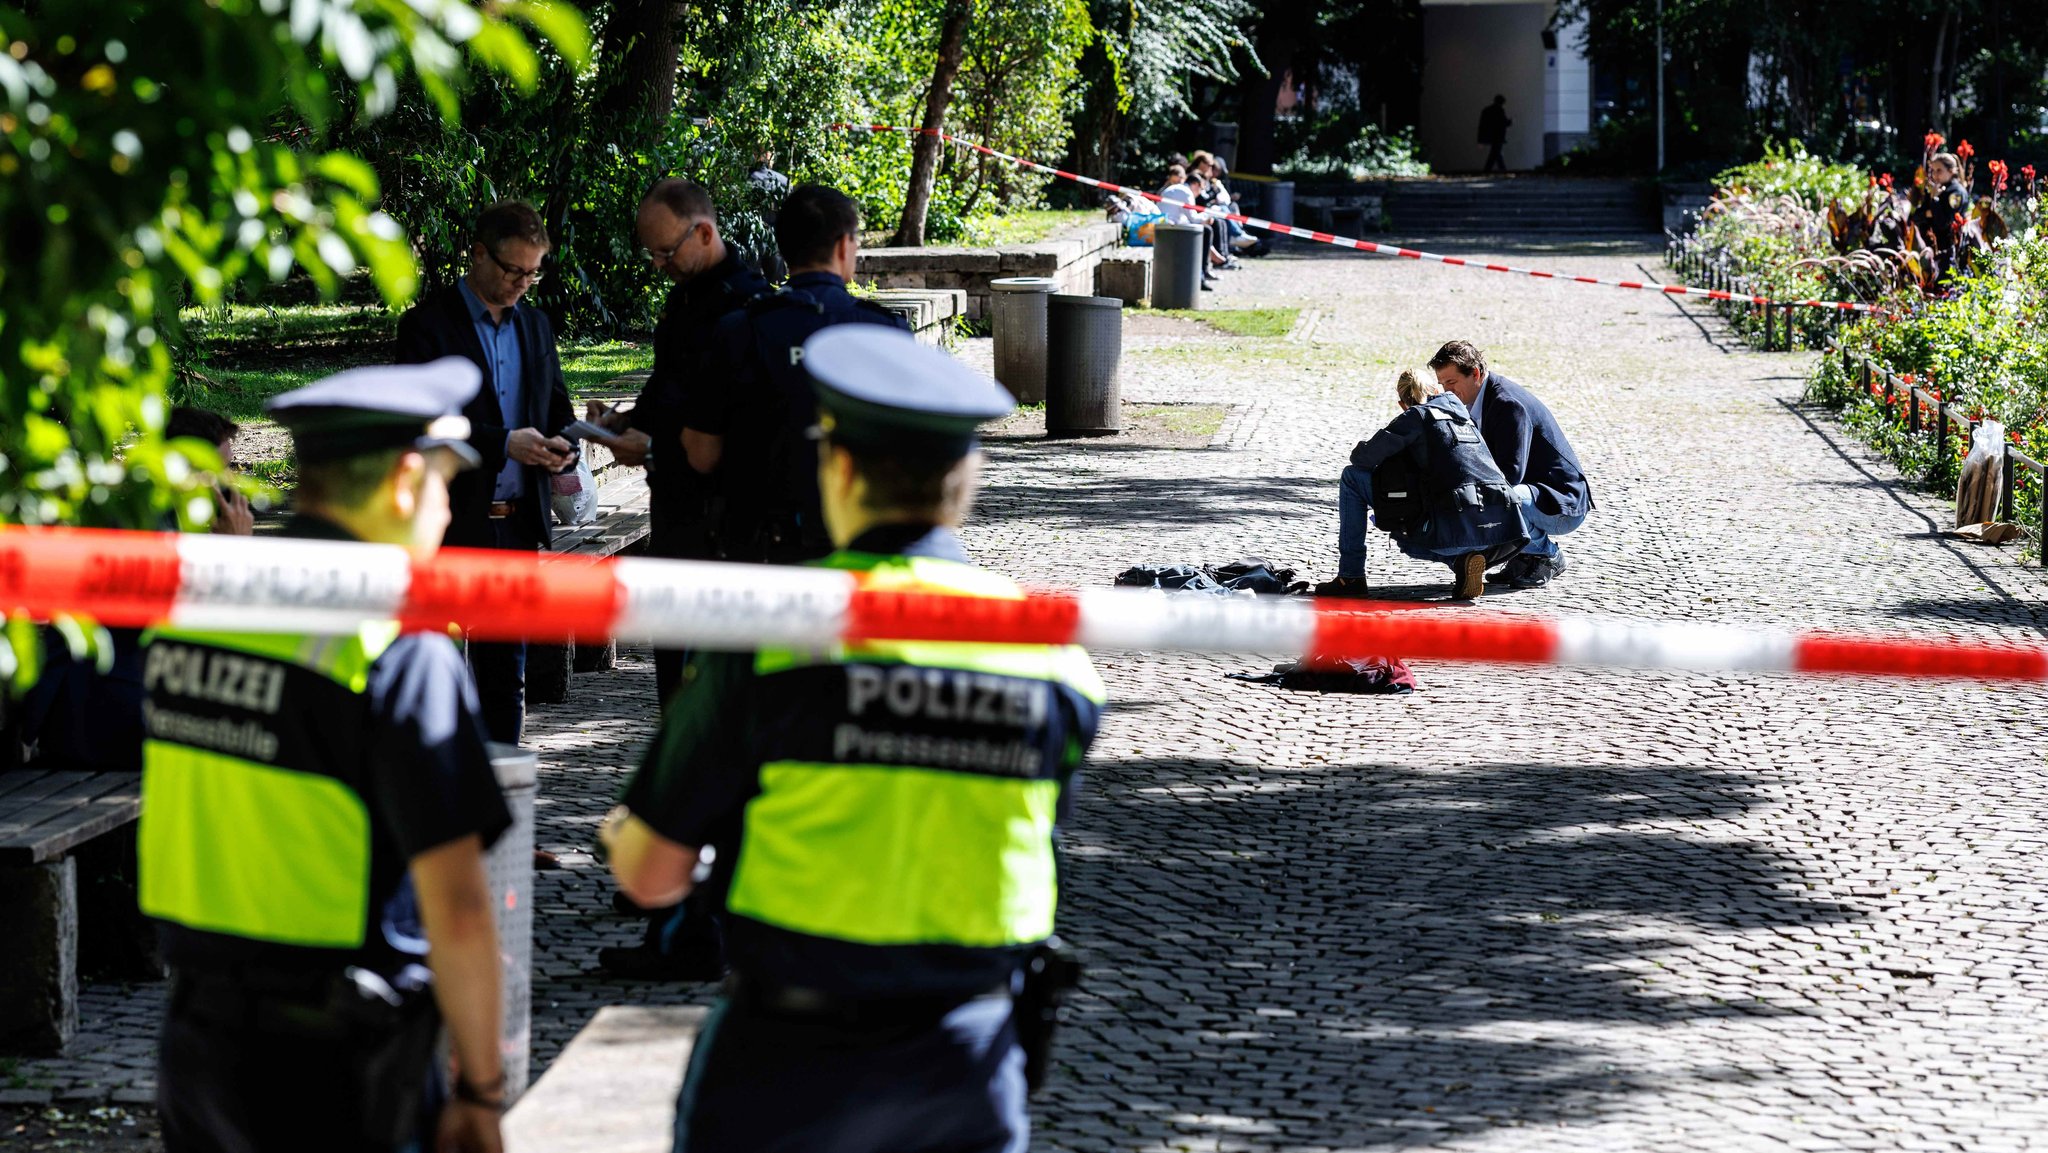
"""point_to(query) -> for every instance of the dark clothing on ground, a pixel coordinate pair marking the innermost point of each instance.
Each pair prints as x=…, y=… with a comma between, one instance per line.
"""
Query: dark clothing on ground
x=681, y=502
x=440, y=325
x=1530, y=448
x=761, y=402
x=1252, y=575
x=1348, y=675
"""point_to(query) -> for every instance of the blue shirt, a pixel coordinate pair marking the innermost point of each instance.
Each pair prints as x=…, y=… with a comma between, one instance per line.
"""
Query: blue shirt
x=505, y=373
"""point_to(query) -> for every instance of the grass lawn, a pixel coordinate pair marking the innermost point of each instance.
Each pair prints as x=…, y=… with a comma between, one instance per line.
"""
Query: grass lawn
x=1030, y=227
x=1240, y=321
x=251, y=354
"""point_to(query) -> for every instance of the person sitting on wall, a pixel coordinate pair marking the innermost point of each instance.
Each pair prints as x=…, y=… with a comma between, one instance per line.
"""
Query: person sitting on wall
x=1432, y=483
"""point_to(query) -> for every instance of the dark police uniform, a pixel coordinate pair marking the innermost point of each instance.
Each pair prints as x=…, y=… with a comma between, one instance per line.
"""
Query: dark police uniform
x=1436, y=487
x=897, y=800
x=288, y=780
x=679, y=499
x=759, y=399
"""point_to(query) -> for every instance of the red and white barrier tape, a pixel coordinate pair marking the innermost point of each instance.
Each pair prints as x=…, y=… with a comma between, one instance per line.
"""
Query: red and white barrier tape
x=1367, y=245
x=274, y=585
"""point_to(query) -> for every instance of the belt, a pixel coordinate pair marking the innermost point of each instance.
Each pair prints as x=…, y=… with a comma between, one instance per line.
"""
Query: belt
x=501, y=509
x=840, y=1009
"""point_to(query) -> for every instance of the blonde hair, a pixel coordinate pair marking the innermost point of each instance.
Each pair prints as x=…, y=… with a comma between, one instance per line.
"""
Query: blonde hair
x=1413, y=389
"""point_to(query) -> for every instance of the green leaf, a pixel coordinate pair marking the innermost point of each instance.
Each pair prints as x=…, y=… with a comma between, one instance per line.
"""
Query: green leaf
x=505, y=51
x=561, y=25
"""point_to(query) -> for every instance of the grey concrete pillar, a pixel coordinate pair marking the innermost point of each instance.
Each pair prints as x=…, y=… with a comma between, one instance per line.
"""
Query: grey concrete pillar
x=1178, y=253
x=39, y=964
x=510, y=865
x=1083, y=392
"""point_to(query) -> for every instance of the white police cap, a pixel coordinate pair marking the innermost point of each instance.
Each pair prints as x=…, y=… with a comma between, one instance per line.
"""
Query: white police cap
x=382, y=407
x=884, y=392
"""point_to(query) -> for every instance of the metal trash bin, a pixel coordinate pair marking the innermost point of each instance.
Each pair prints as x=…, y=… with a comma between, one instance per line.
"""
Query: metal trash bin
x=1083, y=395
x=1017, y=305
x=510, y=865
x=1178, y=251
x=1280, y=202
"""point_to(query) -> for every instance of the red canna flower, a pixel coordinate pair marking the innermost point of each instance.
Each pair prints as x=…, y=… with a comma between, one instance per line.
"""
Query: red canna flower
x=1935, y=140
x=2027, y=174
x=1964, y=151
x=1884, y=181
x=1998, y=175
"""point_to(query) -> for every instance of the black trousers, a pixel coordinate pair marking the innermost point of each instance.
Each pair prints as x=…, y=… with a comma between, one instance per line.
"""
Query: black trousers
x=1494, y=161
x=679, y=528
x=247, y=1073
x=500, y=666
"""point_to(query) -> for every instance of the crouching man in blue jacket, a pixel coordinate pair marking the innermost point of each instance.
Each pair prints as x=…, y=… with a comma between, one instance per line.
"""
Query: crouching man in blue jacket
x=1430, y=480
x=1549, y=485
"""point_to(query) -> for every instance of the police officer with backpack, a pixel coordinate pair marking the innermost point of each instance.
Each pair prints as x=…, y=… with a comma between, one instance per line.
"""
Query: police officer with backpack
x=1432, y=483
x=747, y=423
x=893, y=889
x=315, y=811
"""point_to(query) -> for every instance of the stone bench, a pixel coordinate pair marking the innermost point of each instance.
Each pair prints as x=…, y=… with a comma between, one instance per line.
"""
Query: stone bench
x=44, y=817
x=613, y=1088
x=1126, y=275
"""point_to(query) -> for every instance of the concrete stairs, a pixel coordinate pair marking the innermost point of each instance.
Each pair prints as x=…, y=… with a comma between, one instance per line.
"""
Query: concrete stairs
x=1515, y=205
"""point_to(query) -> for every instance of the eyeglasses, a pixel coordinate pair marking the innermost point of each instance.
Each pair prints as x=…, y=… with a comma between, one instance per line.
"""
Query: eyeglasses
x=531, y=275
x=661, y=256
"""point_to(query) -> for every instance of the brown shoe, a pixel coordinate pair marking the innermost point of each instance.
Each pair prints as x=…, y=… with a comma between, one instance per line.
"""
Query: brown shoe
x=1353, y=587
x=1468, y=577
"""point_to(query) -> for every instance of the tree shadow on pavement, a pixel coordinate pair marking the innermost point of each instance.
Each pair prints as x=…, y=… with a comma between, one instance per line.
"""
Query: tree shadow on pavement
x=2003, y=613
x=1082, y=497
x=1372, y=954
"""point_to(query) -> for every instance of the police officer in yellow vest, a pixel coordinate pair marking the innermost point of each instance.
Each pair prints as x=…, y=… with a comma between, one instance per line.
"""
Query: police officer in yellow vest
x=314, y=815
x=894, y=877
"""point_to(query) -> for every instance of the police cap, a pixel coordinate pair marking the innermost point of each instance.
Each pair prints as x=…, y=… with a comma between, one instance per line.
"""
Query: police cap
x=382, y=407
x=882, y=391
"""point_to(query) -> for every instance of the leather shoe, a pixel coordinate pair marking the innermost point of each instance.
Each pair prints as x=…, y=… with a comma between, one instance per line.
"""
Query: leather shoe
x=1538, y=572
x=1468, y=577
x=1353, y=587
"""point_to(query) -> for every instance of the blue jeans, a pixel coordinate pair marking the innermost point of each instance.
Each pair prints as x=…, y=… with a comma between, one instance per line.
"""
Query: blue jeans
x=1354, y=517
x=1543, y=525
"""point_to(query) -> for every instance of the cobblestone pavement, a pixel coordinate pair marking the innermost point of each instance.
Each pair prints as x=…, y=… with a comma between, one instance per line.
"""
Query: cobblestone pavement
x=1520, y=909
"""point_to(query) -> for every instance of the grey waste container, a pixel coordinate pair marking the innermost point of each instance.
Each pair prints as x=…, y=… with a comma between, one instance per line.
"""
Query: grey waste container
x=1082, y=393
x=1018, y=307
x=1280, y=202
x=1177, y=254
x=511, y=875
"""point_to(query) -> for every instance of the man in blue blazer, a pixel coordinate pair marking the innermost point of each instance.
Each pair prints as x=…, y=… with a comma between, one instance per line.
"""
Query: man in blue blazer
x=515, y=419
x=1532, y=453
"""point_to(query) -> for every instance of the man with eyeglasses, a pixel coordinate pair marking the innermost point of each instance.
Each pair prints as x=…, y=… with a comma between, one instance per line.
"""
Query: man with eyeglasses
x=516, y=418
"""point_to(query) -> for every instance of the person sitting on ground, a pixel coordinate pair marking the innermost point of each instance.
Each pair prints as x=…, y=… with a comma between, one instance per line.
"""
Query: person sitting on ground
x=232, y=514
x=1550, y=487
x=1435, y=488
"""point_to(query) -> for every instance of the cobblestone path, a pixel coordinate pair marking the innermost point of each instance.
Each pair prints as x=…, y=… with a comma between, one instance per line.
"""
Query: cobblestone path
x=1520, y=909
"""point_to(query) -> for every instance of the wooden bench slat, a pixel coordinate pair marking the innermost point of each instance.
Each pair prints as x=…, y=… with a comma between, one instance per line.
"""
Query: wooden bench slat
x=75, y=788
x=36, y=790
x=19, y=778
x=86, y=806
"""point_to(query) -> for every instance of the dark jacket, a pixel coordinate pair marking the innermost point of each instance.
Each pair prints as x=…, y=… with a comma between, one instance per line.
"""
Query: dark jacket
x=1530, y=448
x=759, y=398
x=440, y=325
x=1493, y=124
x=681, y=339
x=1436, y=485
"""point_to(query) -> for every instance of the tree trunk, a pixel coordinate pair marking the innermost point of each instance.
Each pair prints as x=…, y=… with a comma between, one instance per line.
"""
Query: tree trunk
x=641, y=38
x=1256, y=118
x=924, y=165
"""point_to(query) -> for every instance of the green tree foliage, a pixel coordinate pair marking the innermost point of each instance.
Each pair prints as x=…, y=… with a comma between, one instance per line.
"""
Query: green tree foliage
x=1143, y=67
x=143, y=161
x=1015, y=91
x=1859, y=80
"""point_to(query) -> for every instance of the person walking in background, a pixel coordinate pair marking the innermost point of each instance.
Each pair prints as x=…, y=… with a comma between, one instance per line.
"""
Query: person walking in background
x=1493, y=132
x=516, y=418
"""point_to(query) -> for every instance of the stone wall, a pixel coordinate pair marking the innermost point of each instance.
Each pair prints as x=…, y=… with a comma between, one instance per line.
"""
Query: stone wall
x=1069, y=259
